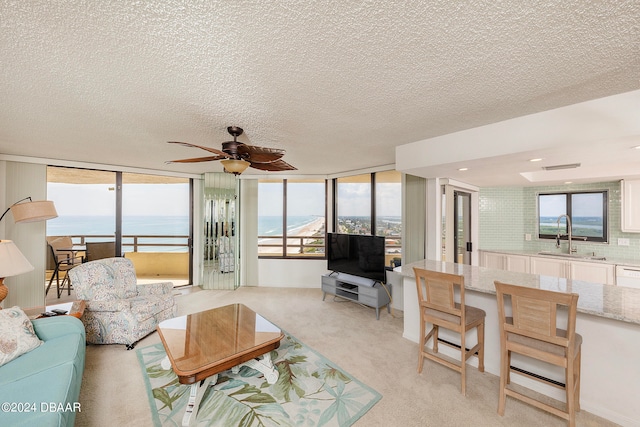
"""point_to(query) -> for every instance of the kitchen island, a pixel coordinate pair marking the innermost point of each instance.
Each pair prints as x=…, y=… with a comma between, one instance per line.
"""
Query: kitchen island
x=608, y=320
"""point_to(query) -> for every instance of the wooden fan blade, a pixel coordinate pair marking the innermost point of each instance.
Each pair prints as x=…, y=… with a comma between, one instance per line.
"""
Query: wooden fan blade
x=259, y=154
x=211, y=150
x=278, y=165
x=198, y=159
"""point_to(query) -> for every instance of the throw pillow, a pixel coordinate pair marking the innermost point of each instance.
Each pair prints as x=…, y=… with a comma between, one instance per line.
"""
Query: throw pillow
x=17, y=336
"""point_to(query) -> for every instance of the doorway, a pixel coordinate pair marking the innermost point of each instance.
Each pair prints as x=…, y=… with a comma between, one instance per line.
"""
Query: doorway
x=459, y=223
x=462, y=227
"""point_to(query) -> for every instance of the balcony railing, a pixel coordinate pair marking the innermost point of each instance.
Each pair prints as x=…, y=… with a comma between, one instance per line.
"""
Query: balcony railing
x=312, y=246
x=136, y=242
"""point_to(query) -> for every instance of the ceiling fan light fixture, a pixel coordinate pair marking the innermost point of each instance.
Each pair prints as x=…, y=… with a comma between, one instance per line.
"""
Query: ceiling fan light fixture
x=235, y=166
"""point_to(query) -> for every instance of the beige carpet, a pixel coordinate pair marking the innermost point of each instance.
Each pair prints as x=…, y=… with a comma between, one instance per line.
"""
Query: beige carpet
x=113, y=391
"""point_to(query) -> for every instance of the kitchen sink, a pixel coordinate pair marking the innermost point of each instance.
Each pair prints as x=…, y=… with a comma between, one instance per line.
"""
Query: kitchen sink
x=573, y=256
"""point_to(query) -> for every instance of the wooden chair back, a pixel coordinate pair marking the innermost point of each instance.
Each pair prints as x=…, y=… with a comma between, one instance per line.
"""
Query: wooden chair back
x=436, y=292
x=437, y=298
x=532, y=329
x=534, y=313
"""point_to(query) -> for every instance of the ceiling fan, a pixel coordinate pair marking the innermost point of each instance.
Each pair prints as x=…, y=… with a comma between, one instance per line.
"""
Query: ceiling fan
x=236, y=156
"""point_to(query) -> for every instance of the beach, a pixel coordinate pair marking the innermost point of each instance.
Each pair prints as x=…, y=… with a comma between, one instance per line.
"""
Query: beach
x=310, y=229
x=313, y=228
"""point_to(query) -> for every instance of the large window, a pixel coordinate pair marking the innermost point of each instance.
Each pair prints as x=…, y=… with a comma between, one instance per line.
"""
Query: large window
x=354, y=204
x=388, y=212
x=292, y=212
x=587, y=212
x=371, y=204
x=147, y=216
x=291, y=218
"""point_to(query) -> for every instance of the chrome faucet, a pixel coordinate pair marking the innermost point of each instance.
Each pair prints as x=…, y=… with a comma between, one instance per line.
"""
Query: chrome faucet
x=569, y=237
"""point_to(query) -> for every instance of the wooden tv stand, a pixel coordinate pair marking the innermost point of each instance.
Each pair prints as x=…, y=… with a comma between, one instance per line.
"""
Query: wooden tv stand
x=346, y=287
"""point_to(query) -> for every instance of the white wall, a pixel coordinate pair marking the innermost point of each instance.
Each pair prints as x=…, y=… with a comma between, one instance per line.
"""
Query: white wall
x=290, y=273
x=25, y=180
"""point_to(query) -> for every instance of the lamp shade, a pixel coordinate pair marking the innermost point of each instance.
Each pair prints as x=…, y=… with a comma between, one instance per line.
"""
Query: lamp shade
x=235, y=166
x=12, y=262
x=33, y=211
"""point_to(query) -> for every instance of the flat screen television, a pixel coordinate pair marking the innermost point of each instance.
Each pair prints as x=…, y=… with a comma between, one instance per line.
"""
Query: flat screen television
x=356, y=254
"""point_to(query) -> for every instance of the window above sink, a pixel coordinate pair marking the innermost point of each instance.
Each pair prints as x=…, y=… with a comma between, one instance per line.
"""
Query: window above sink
x=588, y=212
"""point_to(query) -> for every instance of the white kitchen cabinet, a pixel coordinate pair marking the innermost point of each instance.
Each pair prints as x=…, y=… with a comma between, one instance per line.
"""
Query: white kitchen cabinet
x=492, y=260
x=592, y=272
x=502, y=261
x=517, y=263
x=595, y=272
x=630, y=221
x=550, y=267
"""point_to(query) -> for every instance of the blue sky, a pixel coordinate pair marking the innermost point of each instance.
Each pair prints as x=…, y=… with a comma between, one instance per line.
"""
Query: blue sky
x=309, y=200
x=173, y=199
x=585, y=204
x=137, y=199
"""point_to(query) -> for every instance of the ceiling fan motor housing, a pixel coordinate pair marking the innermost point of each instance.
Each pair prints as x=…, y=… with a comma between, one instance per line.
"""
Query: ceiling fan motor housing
x=231, y=148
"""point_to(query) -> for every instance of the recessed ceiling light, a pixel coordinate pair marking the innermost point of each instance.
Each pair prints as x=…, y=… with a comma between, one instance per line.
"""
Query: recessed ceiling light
x=535, y=160
x=568, y=182
x=463, y=169
x=637, y=147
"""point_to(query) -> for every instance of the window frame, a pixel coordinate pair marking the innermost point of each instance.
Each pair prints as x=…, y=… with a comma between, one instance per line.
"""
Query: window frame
x=569, y=211
x=283, y=182
x=373, y=208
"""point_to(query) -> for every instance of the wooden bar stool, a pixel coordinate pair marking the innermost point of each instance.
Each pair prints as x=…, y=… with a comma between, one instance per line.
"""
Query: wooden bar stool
x=436, y=296
x=531, y=330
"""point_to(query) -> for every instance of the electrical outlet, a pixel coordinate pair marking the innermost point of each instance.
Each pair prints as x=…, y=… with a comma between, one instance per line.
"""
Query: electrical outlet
x=527, y=237
x=623, y=242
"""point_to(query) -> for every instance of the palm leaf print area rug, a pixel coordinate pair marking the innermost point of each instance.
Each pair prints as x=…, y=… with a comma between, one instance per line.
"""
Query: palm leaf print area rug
x=310, y=391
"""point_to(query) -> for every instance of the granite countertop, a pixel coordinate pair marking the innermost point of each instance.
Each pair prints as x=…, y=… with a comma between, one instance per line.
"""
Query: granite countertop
x=583, y=257
x=613, y=302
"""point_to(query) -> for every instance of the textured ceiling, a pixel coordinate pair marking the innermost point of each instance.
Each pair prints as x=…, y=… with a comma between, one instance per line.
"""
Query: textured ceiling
x=337, y=84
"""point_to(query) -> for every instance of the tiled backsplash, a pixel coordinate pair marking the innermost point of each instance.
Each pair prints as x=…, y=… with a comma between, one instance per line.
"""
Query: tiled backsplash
x=507, y=214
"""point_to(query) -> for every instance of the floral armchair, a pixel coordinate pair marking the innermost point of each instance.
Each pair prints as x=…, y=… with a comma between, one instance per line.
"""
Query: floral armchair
x=118, y=310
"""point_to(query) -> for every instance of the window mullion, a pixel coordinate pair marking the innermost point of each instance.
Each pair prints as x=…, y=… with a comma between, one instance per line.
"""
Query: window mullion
x=570, y=213
x=373, y=204
x=284, y=218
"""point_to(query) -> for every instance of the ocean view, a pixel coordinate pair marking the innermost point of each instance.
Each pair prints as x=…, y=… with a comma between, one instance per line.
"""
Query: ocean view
x=158, y=226
x=272, y=225
x=147, y=225
x=179, y=226
x=581, y=225
x=131, y=225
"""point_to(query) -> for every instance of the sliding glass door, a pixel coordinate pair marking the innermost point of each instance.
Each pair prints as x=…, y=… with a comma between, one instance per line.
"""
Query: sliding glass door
x=86, y=204
x=155, y=225
x=147, y=216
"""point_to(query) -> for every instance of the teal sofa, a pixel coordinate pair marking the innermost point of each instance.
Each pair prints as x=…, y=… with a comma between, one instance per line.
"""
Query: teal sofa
x=42, y=387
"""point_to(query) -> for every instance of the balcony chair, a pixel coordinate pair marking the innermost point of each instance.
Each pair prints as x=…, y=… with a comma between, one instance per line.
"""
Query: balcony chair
x=436, y=297
x=64, y=247
x=531, y=329
x=59, y=264
x=118, y=310
x=100, y=250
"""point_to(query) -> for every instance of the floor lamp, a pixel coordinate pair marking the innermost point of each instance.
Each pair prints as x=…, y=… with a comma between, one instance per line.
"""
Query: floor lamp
x=31, y=211
x=12, y=263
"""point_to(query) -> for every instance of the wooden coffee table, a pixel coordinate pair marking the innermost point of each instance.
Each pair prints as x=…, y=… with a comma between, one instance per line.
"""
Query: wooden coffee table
x=201, y=345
